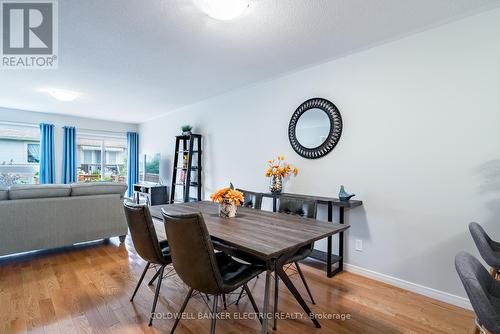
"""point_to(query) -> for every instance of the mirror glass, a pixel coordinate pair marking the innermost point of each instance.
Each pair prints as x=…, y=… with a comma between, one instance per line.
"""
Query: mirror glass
x=312, y=128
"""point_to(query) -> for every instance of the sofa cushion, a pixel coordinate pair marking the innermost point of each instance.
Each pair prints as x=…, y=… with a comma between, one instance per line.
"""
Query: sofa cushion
x=4, y=193
x=27, y=191
x=98, y=188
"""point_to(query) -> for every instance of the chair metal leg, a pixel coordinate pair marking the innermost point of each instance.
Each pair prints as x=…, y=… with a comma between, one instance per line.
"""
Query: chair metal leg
x=224, y=301
x=479, y=328
x=286, y=280
x=305, y=283
x=239, y=297
x=140, y=281
x=214, y=315
x=183, y=307
x=157, y=293
x=154, y=278
x=276, y=294
x=252, y=301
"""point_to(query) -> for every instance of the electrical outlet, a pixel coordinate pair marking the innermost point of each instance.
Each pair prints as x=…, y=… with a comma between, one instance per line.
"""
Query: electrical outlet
x=359, y=245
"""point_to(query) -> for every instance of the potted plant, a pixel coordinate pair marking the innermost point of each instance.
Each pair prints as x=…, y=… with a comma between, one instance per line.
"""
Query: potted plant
x=229, y=199
x=277, y=169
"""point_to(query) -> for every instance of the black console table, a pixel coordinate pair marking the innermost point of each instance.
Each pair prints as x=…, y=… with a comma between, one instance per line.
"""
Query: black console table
x=329, y=259
x=156, y=194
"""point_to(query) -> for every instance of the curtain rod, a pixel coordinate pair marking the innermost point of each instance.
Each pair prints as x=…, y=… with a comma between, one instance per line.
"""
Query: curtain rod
x=33, y=125
x=97, y=130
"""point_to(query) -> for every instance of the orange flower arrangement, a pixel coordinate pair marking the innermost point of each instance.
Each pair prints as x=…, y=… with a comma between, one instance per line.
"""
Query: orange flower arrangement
x=278, y=167
x=228, y=194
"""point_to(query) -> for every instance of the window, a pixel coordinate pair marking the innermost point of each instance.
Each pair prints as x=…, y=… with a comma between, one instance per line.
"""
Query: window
x=19, y=154
x=116, y=159
x=33, y=153
x=97, y=156
x=111, y=157
x=87, y=157
x=97, y=153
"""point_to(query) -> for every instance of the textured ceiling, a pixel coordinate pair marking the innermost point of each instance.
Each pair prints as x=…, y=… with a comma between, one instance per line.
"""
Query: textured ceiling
x=134, y=60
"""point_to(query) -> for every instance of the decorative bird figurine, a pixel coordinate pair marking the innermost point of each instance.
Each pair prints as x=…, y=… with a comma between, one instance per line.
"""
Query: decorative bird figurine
x=344, y=196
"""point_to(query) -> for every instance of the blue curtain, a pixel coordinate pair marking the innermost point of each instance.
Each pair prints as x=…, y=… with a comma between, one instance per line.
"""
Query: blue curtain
x=132, y=161
x=69, y=155
x=47, y=159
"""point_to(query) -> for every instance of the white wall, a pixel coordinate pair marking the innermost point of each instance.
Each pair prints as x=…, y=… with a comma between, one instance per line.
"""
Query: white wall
x=420, y=144
x=23, y=116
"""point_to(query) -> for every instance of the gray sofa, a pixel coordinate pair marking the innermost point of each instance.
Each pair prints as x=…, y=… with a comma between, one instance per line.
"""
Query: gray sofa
x=35, y=217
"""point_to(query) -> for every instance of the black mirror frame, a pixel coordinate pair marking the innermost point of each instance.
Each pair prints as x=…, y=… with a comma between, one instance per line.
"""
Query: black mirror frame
x=335, y=128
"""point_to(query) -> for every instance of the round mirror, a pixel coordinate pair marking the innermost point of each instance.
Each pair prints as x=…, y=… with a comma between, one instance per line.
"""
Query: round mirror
x=312, y=128
x=315, y=128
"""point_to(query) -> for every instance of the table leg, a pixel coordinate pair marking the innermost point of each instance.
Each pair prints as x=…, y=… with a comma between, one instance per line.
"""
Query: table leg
x=329, y=257
x=265, y=308
x=284, y=277
x=276, y=296
x=330, y=211
x=329, y=244
x=341, y=240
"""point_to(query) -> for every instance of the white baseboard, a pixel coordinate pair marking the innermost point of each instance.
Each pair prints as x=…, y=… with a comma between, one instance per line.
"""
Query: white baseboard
x=413, y=287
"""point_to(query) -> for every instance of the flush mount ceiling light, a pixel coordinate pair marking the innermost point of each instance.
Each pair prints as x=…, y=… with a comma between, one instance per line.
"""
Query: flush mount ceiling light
x=61, y=94
x=222, y=9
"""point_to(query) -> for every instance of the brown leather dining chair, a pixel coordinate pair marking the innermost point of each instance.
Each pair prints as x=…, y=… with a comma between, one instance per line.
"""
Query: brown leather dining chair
x=148, y=247
x=307, y=209
x=199, y=267
x=252, y=199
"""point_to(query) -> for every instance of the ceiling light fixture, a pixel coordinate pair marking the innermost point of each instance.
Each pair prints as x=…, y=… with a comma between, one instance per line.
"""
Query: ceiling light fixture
x=61, y=94
x=222, y=9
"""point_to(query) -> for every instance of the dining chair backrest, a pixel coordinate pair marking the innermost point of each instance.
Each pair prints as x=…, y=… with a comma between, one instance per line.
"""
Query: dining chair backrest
x=251, y=199
x=298, y=206
x=484, y=244
x=192, y=252
x=481, y=288
x=143, y=232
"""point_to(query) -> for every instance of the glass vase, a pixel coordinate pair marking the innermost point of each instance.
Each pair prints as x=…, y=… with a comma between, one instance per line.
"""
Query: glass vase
x=276, y=184
x=227, y=209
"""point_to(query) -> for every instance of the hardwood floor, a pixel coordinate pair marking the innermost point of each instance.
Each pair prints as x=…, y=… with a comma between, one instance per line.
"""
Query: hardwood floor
x=87, y=290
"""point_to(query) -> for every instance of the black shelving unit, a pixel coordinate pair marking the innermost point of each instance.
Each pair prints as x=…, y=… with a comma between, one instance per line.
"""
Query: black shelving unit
x=187, y=148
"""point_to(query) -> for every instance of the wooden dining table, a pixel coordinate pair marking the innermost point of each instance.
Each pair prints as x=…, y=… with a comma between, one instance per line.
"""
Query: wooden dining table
x=271, y=237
